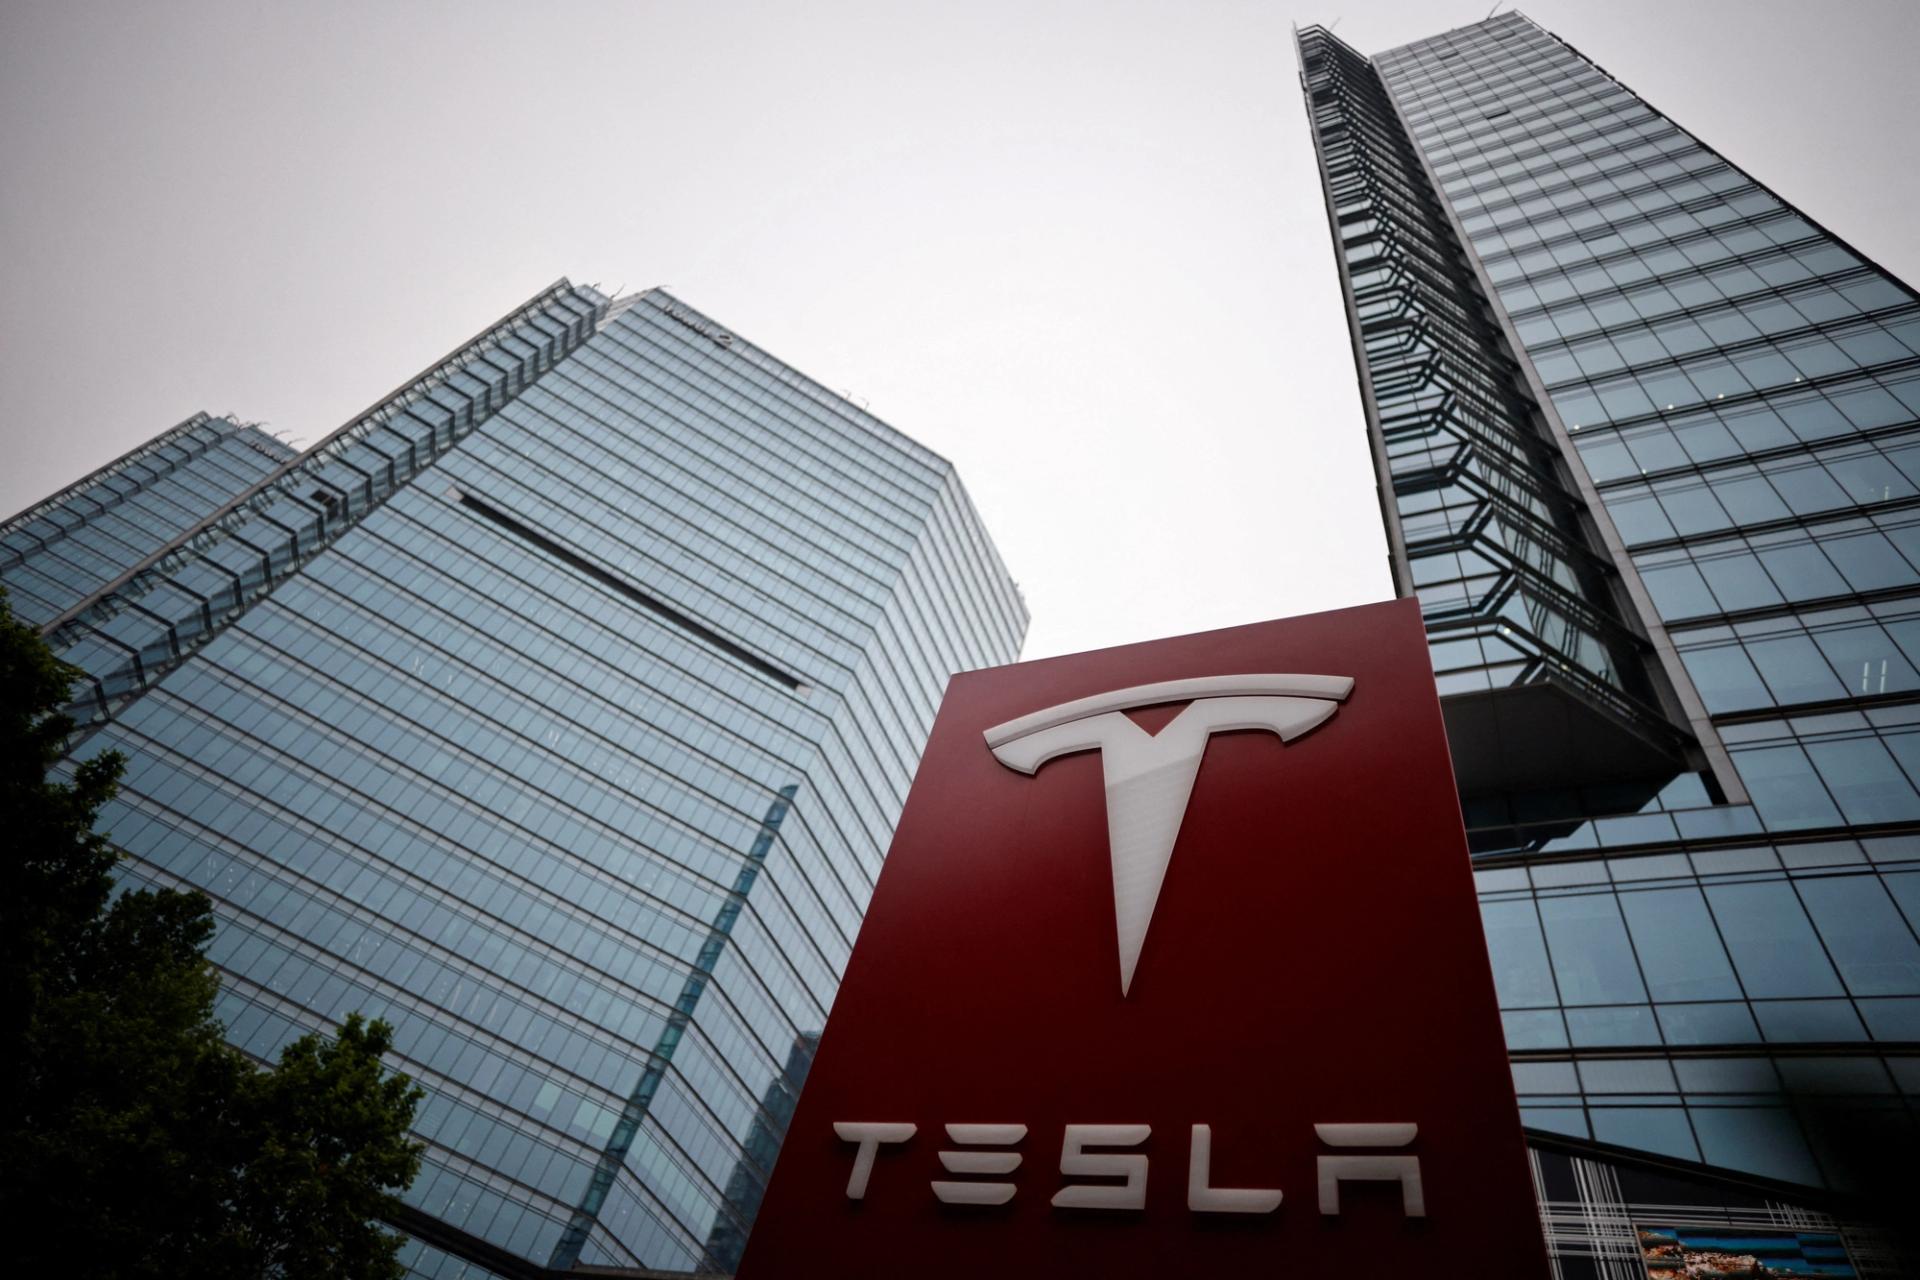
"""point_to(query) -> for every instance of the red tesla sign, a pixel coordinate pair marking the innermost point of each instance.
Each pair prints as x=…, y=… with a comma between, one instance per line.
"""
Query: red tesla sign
x=1174, y=969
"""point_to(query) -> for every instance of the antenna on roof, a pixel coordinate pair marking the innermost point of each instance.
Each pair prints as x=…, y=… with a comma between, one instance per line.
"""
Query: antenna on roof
x=1490, y=12
x=1336, y=22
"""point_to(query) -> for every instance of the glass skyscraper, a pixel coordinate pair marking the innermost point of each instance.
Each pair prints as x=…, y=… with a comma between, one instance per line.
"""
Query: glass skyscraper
x=1648, y=449
x=557, y=709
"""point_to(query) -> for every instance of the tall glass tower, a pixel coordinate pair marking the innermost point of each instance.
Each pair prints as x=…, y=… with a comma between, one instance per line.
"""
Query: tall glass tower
x=1648, y=449
x=557, y=709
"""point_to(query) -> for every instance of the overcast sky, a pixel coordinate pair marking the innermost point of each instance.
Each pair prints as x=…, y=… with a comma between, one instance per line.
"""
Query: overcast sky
x=1077, y=248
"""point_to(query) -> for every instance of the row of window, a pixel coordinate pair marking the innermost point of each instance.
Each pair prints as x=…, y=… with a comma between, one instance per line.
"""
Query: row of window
x=418, y=1036
x=1670, y=243
x=861, y=465
x=224, y=469
x=1828, y=768
x=703, y=464
x=734, y=1054
x=490, y=1109
x=1444, y=82
x=1823, y=656
x=1751, y=327
x=1708, y=959
x=604, y=400
x=843, y=418
x=602, y=666
x=1533, y=196
x=1717, y=433
x=1452, y=100
x=1624, y=205
x=1697, y=284
x=1733, y=1112
x=604, y=652
x=1872, y=553
x=1645, y=308
x=59, y=566
x=421, y=1261
x=1433, y=62
x=1546, y=127
x=632, y=1228
x=1764, y=366
x=1503, y=115
x=1781, y=488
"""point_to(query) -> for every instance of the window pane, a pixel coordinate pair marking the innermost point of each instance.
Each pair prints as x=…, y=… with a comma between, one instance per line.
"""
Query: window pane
x=1808, y=488
x=1612, y=1027
x=1607, y=459
x=1905, y=888
x=1678, y=591
x=1869, y=562
x=1661, y=1129
x=1591, y=955
x=1867, y=660
x=1706, y=439
x=1808, y=1021
x=1568, y=1120
x=1533, y=1028
x=1679, y=948
x=1773, y=943
x=1803, y=572
x=1784, y=788
x=1762, y=1140
x=1897, y=1019
x=1640, y=520
x=1723, y=1023
x=1520, y=972
x=1875, y=951
x=1738, y=583
x=1865, y=781
x=1794, y=670
x=1692, y=507
x=1750, y=499
x=1725, y=679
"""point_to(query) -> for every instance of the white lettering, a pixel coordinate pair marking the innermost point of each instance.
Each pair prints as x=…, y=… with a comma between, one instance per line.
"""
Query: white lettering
x=869, y=1135
x=1203, y=1198
x=1130, y=1194
x=997, y=1135
x=1333, y=1170
x=1075, y=1160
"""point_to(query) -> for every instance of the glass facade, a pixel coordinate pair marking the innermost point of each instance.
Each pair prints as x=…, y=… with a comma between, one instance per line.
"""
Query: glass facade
x=559, y=710
x=1700, y=888
x=57, y=553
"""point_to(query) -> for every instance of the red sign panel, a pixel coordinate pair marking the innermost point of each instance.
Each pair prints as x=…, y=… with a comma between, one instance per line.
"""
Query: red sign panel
x=1174, y=968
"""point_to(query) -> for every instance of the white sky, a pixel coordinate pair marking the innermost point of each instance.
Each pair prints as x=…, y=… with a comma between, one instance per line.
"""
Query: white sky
x=1079, y=248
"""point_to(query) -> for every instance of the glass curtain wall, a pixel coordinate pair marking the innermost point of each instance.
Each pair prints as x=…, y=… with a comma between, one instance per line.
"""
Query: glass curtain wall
x=58, y=552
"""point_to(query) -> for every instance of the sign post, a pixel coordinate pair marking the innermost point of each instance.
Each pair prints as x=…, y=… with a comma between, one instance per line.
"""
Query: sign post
x=1174, y=969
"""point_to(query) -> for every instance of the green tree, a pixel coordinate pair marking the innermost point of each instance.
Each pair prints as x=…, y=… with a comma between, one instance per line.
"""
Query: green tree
x=136, y=1142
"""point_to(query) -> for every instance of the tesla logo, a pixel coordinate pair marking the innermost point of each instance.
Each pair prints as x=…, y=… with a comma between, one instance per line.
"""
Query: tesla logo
x=1149, y=776
x=1078, y=1161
